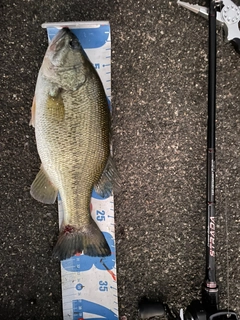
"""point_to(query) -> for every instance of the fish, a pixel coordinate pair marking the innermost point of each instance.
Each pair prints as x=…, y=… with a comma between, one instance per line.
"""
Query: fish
x=72, y=121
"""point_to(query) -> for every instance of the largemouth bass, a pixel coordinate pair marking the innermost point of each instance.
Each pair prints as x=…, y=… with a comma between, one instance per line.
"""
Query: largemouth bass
x=71, y=117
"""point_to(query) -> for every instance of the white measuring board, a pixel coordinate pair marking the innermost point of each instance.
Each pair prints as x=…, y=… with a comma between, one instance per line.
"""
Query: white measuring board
x=89, y=284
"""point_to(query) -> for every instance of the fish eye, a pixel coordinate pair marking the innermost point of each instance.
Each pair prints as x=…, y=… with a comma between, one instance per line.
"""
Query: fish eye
x=74, y=43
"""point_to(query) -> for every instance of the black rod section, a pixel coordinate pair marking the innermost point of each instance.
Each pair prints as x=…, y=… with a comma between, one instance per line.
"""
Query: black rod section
x=210, y=289
x=212, y=76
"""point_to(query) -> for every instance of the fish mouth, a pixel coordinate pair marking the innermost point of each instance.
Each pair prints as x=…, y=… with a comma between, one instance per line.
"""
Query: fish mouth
x=61, y=33
x=58, y=42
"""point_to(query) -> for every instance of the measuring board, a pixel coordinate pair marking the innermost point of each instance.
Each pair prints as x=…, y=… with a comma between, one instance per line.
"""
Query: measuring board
x=89, y=284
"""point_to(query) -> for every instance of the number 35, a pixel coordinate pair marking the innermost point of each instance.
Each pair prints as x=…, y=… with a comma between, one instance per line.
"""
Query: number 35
x=103, y=285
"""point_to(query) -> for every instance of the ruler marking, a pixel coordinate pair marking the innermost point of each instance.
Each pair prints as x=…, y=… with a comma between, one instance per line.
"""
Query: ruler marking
x=113, y=288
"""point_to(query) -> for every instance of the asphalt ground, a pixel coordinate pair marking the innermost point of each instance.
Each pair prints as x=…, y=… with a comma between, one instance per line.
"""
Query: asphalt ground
x=159, y=97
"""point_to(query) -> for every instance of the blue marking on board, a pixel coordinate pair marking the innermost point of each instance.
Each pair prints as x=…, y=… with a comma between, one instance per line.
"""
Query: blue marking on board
x=89, y=37
x=95, y=195
x=79, y=263
x=79, y=286
x=99, y=312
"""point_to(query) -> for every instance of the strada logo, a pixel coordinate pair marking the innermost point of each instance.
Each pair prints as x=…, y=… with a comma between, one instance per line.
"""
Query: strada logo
x=212, y=236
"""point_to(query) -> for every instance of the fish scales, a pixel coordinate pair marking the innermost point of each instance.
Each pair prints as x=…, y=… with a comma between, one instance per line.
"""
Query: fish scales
x=71, y=143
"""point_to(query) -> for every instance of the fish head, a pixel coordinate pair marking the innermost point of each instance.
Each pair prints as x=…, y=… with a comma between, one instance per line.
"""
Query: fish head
x=65, y=62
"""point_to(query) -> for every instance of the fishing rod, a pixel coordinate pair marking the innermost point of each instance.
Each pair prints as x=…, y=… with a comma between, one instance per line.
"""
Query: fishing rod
x=208, y=307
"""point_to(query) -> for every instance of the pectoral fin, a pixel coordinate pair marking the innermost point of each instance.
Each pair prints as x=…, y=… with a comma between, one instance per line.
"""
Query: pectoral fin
x=32, y=120
x=55, y=105
x=42, y=189
x=109, y=180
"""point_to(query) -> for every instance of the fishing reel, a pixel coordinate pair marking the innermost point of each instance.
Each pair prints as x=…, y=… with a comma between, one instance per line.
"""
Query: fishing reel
x=195, y=311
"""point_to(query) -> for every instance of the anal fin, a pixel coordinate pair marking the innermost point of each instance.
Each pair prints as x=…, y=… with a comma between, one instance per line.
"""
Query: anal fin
x=42, y=189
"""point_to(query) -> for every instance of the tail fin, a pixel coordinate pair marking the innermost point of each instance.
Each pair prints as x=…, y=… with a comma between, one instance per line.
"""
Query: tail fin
x=88, y=239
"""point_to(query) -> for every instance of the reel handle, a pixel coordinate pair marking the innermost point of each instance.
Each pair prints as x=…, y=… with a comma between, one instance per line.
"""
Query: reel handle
x=224, y=314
